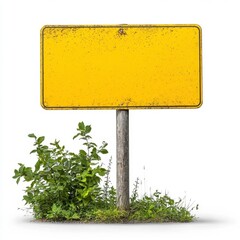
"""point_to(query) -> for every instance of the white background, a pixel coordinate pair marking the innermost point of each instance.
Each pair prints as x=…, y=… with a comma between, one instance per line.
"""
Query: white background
x=192, y=153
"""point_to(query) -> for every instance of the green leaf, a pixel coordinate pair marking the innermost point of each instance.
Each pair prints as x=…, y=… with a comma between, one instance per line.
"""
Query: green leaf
x=92, y=144
x=83, y=153
x=76, y=135
x=55, y=208
x=16, y=174
x=86, y=192
x=18, y=180
x=40, y=140
x=31, y=135
x=33, y=151
x=28, y=174
x=26, y=198
x=101, y=171
x=94, y=154
x=37, y=166
x=103, y=151
x=81, y=126
x=21, y=169
x=88, y=129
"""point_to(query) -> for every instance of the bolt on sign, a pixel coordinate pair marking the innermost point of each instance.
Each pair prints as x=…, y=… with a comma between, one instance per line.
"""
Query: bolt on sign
x=121, y=66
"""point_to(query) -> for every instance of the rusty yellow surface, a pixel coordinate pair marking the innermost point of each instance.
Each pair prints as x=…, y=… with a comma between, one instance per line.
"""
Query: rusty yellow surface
x=121, y=66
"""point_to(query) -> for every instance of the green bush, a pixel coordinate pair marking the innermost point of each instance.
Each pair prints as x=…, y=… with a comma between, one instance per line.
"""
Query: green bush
x=67, y=186
x=64, y=185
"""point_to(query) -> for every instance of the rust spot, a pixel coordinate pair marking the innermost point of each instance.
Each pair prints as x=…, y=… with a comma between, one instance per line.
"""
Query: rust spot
x=121, y=32
x=126, y=102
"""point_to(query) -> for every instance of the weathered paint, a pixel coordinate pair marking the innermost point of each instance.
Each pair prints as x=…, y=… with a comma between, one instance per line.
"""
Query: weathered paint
x=121, y=66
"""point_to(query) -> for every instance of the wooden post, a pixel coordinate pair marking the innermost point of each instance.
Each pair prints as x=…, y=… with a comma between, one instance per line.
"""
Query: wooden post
x=122, y=125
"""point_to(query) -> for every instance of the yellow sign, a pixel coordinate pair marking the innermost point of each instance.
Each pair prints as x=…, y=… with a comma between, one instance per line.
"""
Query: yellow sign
x=121, y=66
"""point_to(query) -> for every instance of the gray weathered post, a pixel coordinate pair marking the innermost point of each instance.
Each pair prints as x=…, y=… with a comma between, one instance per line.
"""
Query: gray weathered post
x=122, y=124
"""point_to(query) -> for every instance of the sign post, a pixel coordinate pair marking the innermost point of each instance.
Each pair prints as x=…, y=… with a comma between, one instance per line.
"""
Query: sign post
x=121, y=67
x=122, y=133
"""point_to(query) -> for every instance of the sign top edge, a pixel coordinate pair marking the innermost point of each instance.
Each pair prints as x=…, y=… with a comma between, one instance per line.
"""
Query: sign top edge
x=120, y=25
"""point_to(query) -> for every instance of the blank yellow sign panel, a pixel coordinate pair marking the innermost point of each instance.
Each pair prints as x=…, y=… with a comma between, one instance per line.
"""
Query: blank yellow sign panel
x=121, y=66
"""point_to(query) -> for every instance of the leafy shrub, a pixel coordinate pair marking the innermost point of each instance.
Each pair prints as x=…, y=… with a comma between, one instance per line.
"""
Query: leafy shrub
x=67, y=186
x=64, y=185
